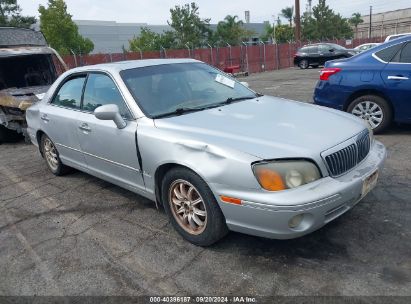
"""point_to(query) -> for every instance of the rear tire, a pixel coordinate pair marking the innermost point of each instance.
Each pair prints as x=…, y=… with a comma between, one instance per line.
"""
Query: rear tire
x=51, y=155
x=192, y=207
x=373, y=109
x=303, y=64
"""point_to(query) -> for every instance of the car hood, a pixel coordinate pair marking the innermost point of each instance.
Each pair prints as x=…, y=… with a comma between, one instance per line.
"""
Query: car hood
x=267, y=127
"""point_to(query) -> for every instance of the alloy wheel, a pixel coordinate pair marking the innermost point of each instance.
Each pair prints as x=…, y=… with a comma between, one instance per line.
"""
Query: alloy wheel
x=188, y=207
x=50, y=153
x=369, y=111
x=304, y=64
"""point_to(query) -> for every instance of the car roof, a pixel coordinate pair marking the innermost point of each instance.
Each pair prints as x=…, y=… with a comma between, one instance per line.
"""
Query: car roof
x=396, y=35
x=131, y=64
x=25, y=50
x=392, y=42
x=321, y=43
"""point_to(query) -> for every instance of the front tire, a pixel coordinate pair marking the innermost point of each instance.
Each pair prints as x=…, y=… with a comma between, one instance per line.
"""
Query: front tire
x=303, y=64
x=192, y=207
x=373, y=109
x=52, y=157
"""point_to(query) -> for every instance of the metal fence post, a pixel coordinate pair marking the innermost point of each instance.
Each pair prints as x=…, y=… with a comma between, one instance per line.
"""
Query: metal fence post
x=229, y=53
x=211, y=53
x=246, y=58
x=188, y=48
x=74, y=56
x=164, y=51
x=141, y=52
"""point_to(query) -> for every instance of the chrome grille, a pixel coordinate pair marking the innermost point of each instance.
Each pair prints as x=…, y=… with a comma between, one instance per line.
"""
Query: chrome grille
x=363, y=145
x=347, y=158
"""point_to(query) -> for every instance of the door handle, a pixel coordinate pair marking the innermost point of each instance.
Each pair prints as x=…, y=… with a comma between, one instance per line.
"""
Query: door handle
x=397, y=78
x=84, y=127
x=44, y=118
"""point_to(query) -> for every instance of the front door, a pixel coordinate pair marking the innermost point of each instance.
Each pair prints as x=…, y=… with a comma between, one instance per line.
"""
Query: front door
x=110, y=153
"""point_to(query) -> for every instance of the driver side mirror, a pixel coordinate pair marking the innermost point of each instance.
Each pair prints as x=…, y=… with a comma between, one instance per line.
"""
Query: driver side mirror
x=332, y=50
x=110, y=112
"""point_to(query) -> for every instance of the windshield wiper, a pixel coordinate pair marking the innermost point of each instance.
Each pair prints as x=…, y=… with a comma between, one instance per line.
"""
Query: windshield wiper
x=232, y=99
x=178, y=111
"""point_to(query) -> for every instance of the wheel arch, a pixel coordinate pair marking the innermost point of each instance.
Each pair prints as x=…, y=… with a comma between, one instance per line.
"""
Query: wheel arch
x=39, y=135
x=161, y=171
x=364, y=92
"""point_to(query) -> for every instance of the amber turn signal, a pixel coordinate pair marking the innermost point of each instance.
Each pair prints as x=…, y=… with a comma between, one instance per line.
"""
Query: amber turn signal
x=270, y=180
x=230, y=200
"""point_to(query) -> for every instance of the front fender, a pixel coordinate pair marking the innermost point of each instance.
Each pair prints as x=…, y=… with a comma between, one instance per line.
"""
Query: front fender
x=214, y=164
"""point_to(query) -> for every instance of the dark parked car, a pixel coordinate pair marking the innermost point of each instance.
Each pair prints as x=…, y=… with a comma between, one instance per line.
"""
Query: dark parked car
x=317, y=54
x=374, y=85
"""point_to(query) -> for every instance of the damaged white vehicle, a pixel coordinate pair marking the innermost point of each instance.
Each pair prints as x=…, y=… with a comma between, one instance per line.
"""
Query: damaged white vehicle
x=27, y=69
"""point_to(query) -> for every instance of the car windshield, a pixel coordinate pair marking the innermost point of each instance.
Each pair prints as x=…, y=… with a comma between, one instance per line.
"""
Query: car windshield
x=171, y=89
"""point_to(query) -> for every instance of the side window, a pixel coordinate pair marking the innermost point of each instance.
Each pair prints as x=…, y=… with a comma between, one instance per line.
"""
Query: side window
x=101, y=90
x=69, y=95
x=406, y=54
x=388, y=54
x=313, y=49
x=324, y=48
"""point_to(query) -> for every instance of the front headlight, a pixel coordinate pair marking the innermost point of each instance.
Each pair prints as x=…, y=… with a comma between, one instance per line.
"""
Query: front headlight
x=285, y=174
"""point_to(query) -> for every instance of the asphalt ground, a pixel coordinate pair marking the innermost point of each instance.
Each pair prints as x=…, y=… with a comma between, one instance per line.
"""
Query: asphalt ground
x=78, y=235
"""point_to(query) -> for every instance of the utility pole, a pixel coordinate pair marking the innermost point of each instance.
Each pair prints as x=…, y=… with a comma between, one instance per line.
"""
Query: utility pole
x=274, y=29
x=297, y=21
x=370, y=28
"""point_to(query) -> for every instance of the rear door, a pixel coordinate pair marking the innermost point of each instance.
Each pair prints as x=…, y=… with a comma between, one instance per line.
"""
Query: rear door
x=58, y=120
x=314, y=55
x=397, y=78
x=111, y=153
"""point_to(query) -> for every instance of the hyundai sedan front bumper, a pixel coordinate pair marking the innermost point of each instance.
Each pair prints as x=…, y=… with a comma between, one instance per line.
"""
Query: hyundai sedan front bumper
x=296, y=212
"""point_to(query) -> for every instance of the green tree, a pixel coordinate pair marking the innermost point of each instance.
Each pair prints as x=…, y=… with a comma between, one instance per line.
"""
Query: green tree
x=283, y=33
x=188, y=26
x=60, y=30
x=10, y=15
x=231, y=31
x=355, y=20
x=325, y=23
x=151, y=41
x=146, y=41
x=288, y=13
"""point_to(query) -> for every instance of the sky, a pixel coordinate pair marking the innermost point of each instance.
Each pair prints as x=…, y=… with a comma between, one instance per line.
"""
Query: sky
x=158, y=11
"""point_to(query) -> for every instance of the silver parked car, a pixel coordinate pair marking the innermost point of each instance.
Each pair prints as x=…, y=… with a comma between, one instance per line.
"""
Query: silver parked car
x=215, y=154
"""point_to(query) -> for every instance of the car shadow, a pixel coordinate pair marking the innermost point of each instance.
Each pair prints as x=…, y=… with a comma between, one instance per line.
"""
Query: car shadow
x=398, y=129
x=318, y=245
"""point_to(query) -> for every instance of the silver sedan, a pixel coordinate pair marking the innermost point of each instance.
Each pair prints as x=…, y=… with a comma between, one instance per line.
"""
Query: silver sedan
x=216, y=155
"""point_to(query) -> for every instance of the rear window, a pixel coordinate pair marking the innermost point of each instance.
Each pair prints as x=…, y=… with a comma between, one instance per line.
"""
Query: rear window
x=404, y=56
x=309, y=49
x=388, y=54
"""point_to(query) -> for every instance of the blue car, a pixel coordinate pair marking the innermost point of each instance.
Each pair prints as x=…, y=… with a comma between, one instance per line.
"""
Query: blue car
x=374, y=85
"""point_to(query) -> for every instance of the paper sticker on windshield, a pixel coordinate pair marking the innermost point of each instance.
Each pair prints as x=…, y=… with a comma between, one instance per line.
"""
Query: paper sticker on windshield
x=225, y=81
